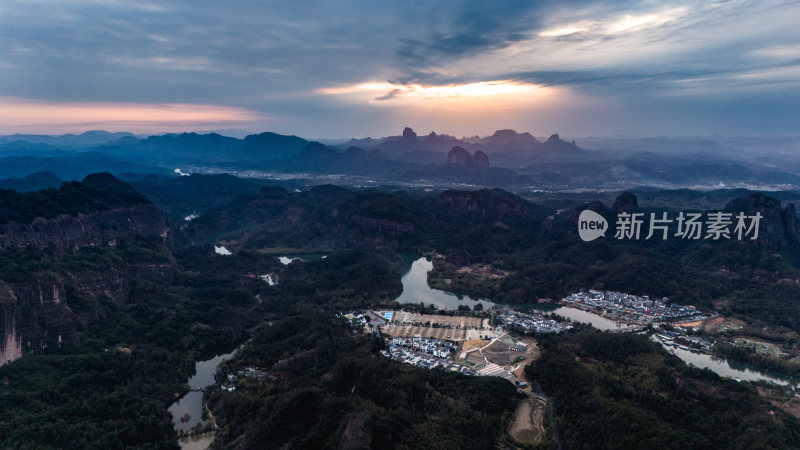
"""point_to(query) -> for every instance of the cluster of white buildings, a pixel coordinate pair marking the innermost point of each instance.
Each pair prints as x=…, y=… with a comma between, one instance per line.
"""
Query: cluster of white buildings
x=428, y=361
x=636, y=308
x=354, y=318
x=537, y=323
x=435, y=347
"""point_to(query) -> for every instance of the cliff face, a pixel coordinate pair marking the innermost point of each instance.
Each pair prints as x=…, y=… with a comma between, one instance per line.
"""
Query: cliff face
x=46, y=309
x=66, y=232
x=33, y=317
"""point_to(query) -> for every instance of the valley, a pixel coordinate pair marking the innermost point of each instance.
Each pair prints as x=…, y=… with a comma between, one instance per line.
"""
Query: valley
x=399, y=225
x=459, y=289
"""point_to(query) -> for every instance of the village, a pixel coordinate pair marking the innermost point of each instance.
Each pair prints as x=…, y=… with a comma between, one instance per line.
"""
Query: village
x=633, y=308
x=482, y=345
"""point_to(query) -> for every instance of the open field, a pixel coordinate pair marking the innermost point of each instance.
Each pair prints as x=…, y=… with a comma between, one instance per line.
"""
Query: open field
x=501, y=353
x=455, y=328
x=528, y=425
x=409, y=318
x=790, y=403
x=472, y=344
x=452, y=334
x=483, y=272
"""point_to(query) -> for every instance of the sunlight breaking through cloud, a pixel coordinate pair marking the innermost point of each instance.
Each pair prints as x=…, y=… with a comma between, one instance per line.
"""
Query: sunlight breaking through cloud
x=449, y=92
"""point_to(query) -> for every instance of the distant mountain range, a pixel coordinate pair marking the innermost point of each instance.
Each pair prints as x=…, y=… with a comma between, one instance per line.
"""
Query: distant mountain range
x=505, y=158
x=87, y=139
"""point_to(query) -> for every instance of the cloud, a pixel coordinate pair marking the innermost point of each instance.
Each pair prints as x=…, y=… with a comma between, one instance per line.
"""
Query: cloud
x=282, y=60
x=23, y=115
x=449, y=92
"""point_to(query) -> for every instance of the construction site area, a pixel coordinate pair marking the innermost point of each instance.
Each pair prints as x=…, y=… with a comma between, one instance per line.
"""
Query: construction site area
x=454, y=328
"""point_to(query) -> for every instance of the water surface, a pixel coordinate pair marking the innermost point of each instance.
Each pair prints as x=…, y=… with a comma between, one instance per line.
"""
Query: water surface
x=191, y=403
x=416, y=289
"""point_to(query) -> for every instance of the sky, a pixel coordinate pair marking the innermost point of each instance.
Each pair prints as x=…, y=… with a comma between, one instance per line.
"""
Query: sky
x=340, y=69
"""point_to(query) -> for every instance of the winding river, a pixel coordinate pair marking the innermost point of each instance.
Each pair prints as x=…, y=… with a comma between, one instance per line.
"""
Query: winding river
x=190, y=405
x=416, y=290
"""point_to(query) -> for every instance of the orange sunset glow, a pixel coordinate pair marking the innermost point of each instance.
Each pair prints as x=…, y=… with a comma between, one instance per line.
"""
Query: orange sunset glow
x=20, y=115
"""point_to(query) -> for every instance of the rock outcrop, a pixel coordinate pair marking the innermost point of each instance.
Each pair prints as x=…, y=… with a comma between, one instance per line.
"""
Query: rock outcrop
x=47, y=305
x=626, y=203
x=778, y=226
x=409, y=134
x=479, y=159
x=33, y=317
x=459, y=156
x=37, y=314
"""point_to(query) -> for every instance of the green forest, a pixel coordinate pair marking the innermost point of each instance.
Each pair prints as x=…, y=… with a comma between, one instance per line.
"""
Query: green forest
x=625, y=391
x=134, y=348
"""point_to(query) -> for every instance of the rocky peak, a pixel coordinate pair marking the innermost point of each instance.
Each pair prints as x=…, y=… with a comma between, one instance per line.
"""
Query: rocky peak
x=625, y=202
x=554, y=143
x=408, y=133
x=479, y=159
x=459, y=156
x=511, y=137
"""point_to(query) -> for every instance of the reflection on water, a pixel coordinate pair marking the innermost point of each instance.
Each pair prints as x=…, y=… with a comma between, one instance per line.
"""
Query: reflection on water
x=192, y=404
x=416, y=289
x=596, y=320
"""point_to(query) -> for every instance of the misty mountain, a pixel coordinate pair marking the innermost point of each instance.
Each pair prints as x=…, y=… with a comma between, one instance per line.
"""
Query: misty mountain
x=508, y=148
x=515, y=157
x=663, y=145
x=209, y=149
x=87, y=139
x=32, y=182
x=73, y=166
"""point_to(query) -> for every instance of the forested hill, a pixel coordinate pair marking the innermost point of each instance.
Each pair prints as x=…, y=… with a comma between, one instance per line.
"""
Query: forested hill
x=625, y=391
x=97, y=192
